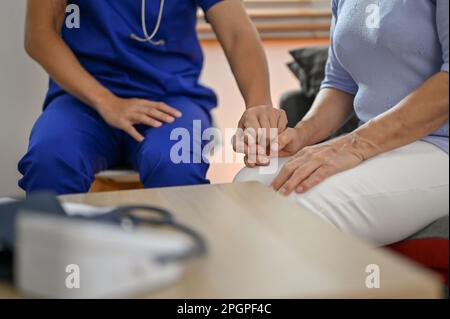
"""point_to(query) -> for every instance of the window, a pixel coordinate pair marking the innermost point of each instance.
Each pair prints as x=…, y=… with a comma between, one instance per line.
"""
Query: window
x=276, y=19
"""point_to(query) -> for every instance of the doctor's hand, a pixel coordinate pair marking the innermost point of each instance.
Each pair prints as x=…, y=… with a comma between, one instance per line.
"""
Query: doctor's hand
x=313, y=164
x=254, y=136
x=125, y=113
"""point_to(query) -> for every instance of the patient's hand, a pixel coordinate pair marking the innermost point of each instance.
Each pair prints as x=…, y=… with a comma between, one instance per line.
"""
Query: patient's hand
x=289, y=142
x=313, y=164
x=256, y=142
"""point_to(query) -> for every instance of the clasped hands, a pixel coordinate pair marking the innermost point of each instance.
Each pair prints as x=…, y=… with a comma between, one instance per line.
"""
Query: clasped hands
x=310, y=164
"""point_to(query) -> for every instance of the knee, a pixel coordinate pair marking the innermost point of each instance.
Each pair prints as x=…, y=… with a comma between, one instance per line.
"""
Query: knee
x=158, y=169
x=41, y=157
x=335, y=200
x=262, y=174
x=55, y=165
x=325, y=200
x=252, y=175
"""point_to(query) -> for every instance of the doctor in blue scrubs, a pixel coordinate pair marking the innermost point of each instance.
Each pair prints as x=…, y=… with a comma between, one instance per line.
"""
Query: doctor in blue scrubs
x=124, y=78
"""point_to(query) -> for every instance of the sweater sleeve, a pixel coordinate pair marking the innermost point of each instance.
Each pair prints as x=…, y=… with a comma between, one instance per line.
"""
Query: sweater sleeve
x=335, y=74
x=442, y=7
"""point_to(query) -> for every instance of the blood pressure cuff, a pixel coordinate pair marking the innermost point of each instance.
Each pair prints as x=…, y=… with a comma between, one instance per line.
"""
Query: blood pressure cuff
x=49, y=204
x=41, y=203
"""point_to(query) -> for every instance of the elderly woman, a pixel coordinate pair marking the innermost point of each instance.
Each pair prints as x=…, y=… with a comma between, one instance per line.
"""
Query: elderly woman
x=389, y=178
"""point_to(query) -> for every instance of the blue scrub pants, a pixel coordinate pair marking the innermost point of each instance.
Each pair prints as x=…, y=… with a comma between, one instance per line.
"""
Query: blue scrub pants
x=70, y=143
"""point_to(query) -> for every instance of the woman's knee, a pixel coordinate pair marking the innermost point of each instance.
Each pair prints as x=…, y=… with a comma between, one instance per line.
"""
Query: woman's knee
x=262, y=174
x=357, y=205
x=348, y=201
x=323, y=200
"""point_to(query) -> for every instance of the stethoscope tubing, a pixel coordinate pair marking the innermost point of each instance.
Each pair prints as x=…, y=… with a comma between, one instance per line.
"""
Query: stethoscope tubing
x=199, y=248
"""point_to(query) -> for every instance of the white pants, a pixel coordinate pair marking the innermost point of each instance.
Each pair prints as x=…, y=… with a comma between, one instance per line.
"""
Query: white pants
x=385, y=199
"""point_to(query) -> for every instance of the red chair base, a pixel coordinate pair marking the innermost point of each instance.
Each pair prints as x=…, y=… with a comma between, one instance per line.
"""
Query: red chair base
x=431, y=252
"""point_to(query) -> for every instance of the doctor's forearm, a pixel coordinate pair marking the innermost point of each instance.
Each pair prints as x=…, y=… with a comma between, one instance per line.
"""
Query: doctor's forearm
x=244, y=51
x=63, y=67
x=249, y=65
x=44, y=44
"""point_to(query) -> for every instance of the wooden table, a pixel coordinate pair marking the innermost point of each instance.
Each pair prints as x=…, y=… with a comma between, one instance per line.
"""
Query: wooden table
x=264, y=246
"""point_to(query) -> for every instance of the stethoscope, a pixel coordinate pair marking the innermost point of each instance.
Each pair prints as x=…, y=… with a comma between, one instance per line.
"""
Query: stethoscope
x=124, y=216
x=150, y=37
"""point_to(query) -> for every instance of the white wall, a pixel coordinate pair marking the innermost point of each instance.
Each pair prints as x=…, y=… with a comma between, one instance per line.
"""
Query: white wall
x=22, y=87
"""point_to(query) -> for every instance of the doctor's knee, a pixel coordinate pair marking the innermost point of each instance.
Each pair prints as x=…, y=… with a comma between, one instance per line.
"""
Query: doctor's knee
x=157, y=169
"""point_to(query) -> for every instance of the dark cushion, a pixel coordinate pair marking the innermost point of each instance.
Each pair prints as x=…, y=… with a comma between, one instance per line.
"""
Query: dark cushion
x=309, y=67
x=296, y=104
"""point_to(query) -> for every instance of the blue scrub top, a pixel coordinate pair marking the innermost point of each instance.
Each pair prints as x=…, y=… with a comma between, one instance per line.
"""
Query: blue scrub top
x=133, y=69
